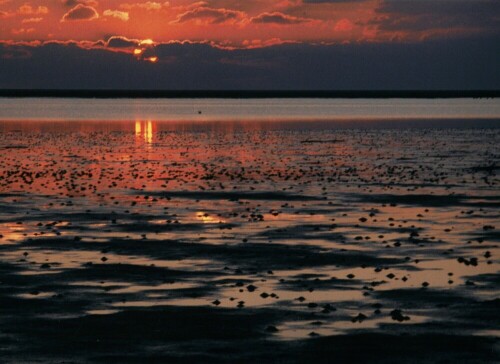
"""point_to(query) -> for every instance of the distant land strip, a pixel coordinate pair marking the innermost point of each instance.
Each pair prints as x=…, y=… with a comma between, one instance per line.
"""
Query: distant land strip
x=251, y=94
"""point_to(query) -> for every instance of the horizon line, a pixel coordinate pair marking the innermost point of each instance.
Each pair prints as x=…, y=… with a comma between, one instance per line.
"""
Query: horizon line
x=247, y=94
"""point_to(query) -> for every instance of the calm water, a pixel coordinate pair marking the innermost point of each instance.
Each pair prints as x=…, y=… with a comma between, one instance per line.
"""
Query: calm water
x=144, y=219
x=249, y=109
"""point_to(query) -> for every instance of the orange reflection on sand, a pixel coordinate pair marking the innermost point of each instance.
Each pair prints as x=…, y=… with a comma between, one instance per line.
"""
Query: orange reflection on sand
x=207, y=219
x=12, y=232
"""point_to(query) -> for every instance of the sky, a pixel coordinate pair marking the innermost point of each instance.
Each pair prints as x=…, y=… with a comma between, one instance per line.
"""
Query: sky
x=250, y=44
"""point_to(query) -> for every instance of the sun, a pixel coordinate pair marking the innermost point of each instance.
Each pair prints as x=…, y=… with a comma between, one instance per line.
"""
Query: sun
x=146, y=42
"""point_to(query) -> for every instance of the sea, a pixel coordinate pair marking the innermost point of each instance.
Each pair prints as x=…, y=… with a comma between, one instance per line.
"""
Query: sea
x=168, y=224
x=68, y=109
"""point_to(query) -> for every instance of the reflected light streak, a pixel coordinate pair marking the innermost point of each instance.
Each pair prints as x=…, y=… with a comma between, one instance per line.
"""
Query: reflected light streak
x=148, y=134
x=207, y=219
x=144, y=131
x=138, y=129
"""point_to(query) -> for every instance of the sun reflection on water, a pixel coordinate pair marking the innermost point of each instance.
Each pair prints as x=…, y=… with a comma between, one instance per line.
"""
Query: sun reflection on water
x=144, y=131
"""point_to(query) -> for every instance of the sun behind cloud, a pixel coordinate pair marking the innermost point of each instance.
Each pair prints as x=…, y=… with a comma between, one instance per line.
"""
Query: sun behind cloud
x=237, y=24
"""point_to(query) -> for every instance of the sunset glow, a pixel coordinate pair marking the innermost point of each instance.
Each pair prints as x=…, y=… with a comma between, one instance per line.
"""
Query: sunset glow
x=210, y=33
x=234, y=23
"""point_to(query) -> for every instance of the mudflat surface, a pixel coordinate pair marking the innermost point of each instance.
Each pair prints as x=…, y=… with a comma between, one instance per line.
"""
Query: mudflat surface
x=157, y=242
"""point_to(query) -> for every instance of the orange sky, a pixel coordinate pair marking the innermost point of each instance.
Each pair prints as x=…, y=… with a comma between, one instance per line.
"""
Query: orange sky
x=337, y=44
x=234, y=23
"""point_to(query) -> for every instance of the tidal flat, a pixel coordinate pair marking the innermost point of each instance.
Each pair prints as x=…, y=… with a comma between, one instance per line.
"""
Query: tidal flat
x=247, y=242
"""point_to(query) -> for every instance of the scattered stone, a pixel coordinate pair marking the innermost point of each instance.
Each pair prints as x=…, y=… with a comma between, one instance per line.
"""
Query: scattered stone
x=397, y=315
x=360, y=318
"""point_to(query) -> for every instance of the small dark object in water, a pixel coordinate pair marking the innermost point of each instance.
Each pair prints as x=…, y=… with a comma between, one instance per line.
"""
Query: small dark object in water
x=327, y=308
x=360, y=318
x=397, y=315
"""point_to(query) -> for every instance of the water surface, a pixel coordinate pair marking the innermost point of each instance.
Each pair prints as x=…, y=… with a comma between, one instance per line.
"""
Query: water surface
x=245, y=109
x=139, y=237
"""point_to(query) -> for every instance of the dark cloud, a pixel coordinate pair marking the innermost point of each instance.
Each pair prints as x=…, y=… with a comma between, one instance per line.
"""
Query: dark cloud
x=278, y=18
x=121, y=42
x=81, y=12
x=211, y=15
x=14, y=53
x=452, y=64
x=76, y=2
x=331, y=1
x=421, y=15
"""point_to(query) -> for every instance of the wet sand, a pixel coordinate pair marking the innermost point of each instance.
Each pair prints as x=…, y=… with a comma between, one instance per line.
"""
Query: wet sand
x=248, y=242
